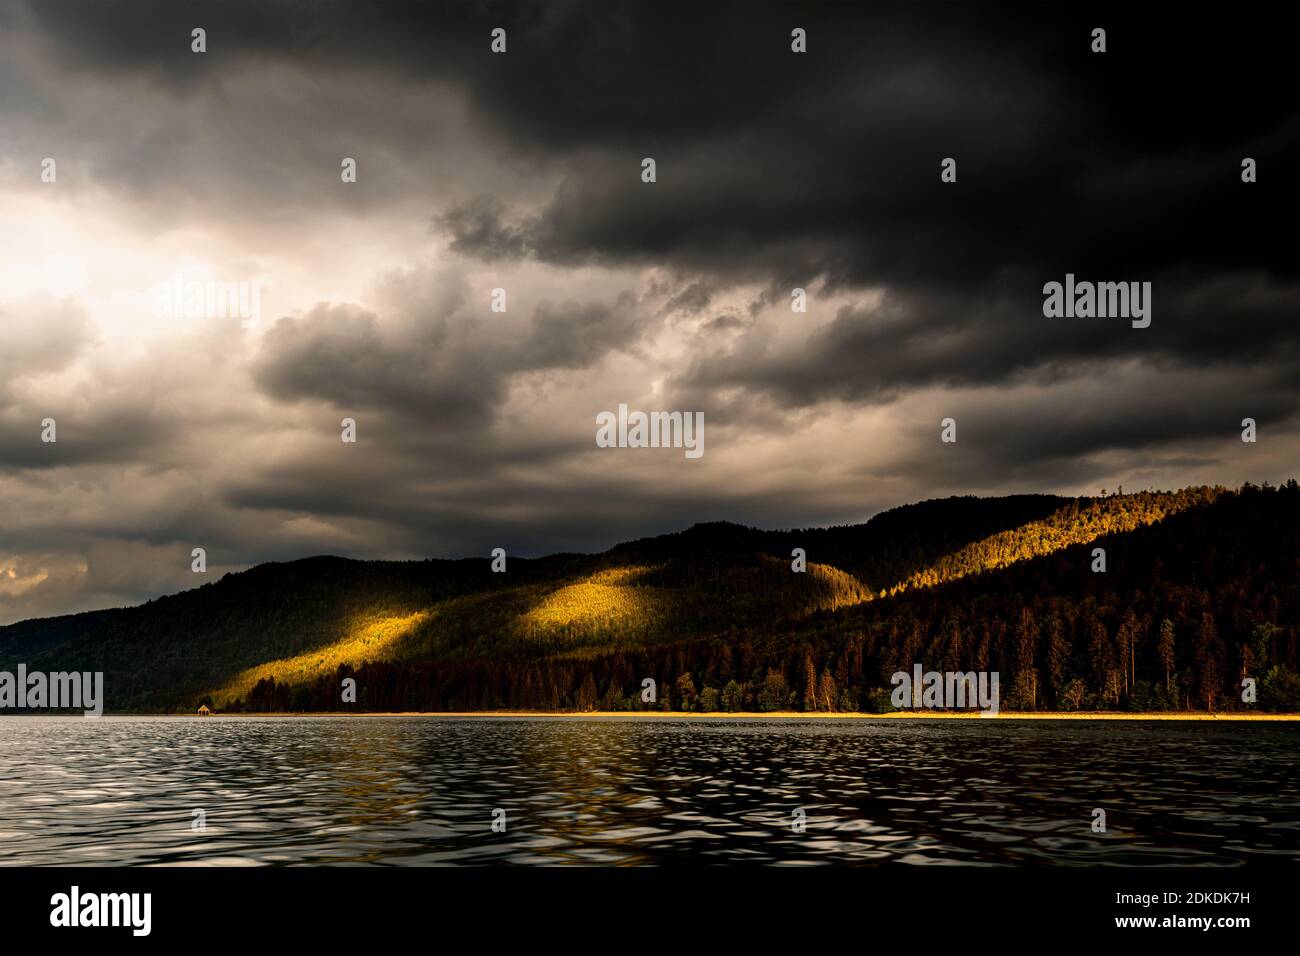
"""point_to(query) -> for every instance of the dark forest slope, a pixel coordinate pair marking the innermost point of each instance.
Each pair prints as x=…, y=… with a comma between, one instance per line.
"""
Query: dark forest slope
x=1200, y=588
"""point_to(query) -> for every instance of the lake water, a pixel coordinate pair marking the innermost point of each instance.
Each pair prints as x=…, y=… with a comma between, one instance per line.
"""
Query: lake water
x=418, y=790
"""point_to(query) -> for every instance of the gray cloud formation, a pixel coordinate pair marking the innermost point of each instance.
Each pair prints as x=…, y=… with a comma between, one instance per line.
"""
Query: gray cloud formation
x=522, y=171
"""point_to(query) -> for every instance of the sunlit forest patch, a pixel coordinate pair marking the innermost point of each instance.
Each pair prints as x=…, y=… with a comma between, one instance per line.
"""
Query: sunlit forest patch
x=836, y=588
x=1072, y=525
x=371, y=640
x=608, y=599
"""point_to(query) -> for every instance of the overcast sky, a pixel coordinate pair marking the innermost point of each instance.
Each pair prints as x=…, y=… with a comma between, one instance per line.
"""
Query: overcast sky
x=522, y=171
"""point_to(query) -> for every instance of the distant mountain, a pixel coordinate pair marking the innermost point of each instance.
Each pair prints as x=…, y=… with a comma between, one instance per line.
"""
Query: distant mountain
x=1200, y=589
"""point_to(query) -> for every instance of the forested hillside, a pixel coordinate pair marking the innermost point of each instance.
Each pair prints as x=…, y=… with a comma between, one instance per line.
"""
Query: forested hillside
x=1200, y=590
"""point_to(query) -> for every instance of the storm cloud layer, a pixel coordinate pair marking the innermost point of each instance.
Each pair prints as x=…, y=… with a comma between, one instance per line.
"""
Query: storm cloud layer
x=522, y=172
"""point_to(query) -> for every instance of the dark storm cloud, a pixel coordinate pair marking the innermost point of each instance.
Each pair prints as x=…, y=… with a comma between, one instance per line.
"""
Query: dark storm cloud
x=477, y=229
x=1150, y=417
x=112, y=433
x=784, y=166
x=342, y=354
x=448, y=368
x=912, y=341
x=828, y=164
x=693, y=299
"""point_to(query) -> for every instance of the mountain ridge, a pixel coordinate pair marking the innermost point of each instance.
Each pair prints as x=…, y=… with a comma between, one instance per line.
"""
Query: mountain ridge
x=283, y=632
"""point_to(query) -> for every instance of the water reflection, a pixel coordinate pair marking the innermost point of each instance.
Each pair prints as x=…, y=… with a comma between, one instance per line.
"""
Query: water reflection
x=401, y=790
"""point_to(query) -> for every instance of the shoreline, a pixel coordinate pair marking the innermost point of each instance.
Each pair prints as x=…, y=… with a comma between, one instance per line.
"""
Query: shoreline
x=737, y=715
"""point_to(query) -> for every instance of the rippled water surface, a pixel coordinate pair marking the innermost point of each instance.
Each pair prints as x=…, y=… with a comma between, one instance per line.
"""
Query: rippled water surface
x=419, y=790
